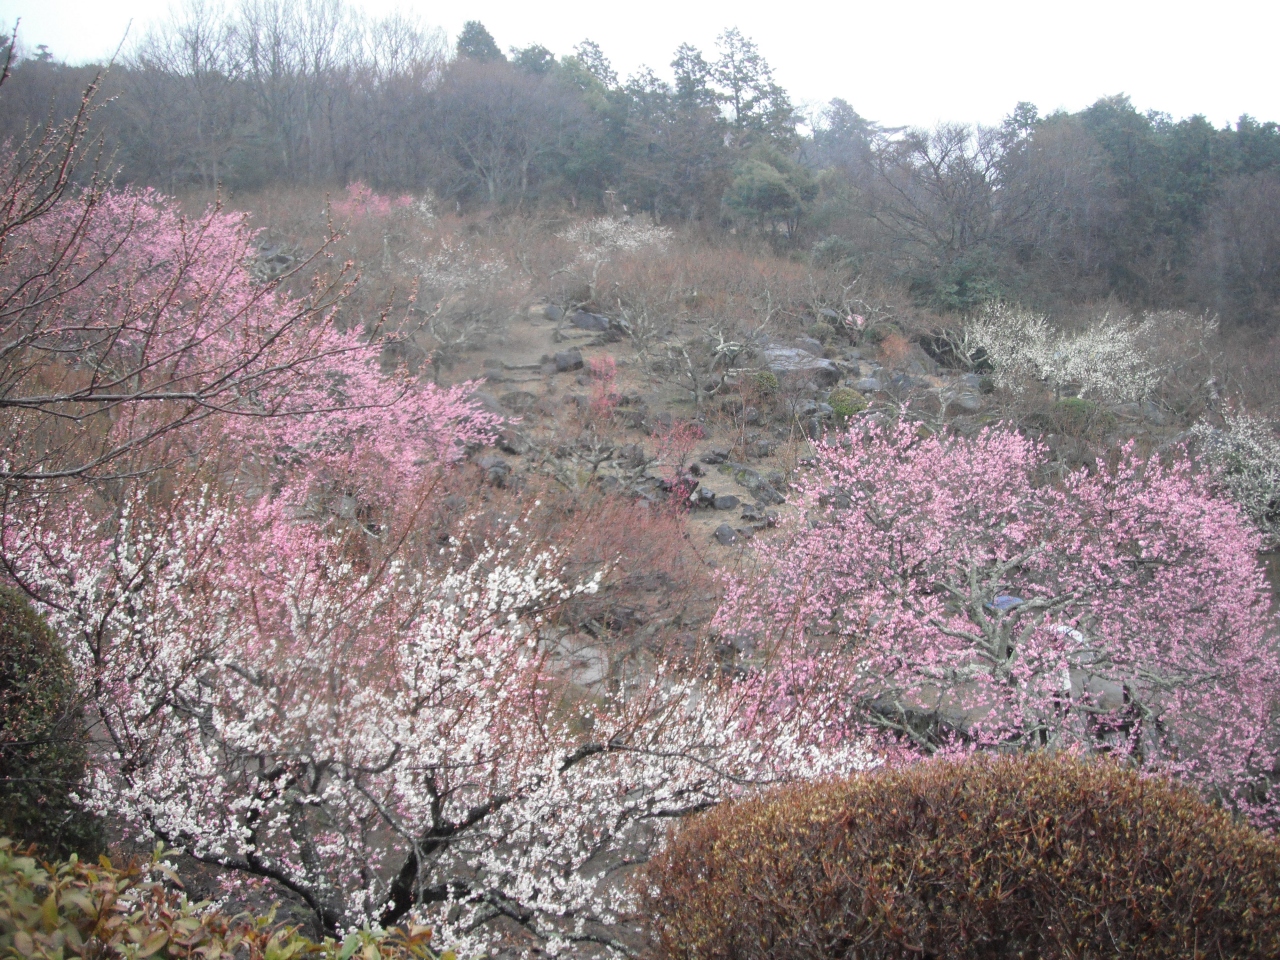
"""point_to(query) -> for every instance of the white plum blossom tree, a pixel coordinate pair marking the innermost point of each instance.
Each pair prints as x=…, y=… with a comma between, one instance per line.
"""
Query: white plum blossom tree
x=387, y=741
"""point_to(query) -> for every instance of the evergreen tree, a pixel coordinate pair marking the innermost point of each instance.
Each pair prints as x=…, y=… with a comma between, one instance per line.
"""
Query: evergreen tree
x=477, y=43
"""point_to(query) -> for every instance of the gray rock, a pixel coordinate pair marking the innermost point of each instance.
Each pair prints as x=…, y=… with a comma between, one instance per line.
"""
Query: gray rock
x=553, y=313
x=963, y=403
x=590, y=321
x=567, y=360
x=509, y=441
x=1154, y=414
x=716, y=455
x=809, y=345
x=725, y=501
x=518, y=401
x=868, y=385
x=903, y=383
x=725, y=535
x=759, y=487
x=756, y=514
x=495, y=468
x=795, y=364
x=489, y=403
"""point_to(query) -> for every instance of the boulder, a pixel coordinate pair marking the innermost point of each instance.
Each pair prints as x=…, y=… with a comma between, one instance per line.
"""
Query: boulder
x=868, y=385
x=809, y=345
x=590, y=321
x=725, y=501
x=759, y=487
x=489, y=403
x=793, y=363
x=496, y=469
x=962, y=403
x=725, y=535
x=518, y=401
x=567, y=360
x=509, y=441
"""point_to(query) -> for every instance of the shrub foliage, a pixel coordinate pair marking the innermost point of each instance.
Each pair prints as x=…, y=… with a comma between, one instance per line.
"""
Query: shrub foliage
x=42, y=735
x=1028, y=856
x=51, y=911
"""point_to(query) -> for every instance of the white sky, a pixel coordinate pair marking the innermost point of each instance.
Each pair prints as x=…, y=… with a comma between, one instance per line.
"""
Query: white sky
x=897, y=63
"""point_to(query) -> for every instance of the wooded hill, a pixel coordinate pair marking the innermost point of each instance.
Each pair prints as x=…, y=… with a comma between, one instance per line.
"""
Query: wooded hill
x=1051, y=210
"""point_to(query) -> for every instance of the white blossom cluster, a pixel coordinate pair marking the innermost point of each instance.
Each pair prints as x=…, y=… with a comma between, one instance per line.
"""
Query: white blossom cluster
x=1107, y=360
x=454, y=267
x=1245, y=455
x=393, y=744
x=604, y=235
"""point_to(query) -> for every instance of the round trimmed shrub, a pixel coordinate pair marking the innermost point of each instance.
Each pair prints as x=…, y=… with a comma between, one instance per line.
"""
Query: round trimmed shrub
x=822, y=331
x=42, y=735
x=765, y=381
x=992, y=857
x=846, y=404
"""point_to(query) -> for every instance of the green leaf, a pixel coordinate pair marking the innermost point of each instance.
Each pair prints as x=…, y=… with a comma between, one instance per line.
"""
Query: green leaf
x=23, y=943
x=153, y=943
x=49, y=912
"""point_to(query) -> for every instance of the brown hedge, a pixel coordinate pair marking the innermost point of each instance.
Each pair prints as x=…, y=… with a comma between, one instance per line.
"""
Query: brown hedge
x=993, y=857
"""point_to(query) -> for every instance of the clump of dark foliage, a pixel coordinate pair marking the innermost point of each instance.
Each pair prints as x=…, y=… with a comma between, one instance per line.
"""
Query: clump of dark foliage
x=1029, y=856
x=43, y=743
x=52, y=911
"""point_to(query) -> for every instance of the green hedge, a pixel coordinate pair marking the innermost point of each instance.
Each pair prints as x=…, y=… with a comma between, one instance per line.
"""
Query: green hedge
x=1030, y=856
x=42, y=734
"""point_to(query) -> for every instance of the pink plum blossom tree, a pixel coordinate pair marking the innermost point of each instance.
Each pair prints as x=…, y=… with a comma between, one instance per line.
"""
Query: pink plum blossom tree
x=951, y=594
x=122, y=321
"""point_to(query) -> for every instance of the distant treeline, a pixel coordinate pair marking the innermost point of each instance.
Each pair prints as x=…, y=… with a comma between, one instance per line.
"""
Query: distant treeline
x=1065, y=208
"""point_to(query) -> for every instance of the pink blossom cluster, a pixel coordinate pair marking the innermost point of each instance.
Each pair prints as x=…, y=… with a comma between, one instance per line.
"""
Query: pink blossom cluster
x=947, y=593
x=361, y=201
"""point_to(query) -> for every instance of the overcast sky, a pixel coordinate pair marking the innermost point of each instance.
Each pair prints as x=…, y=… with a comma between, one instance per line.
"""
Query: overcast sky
x=898, y=63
